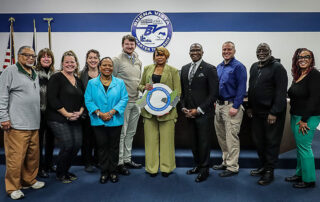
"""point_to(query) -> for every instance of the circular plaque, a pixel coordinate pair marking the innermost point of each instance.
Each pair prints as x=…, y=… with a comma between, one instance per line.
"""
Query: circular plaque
x=158, y=100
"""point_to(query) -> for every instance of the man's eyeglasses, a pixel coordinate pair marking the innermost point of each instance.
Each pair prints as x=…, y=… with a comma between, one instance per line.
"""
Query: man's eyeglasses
x=28, y=55
x=306, y=57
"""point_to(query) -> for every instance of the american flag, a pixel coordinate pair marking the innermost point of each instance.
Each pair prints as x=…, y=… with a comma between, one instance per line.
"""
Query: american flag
x=9, y=57
x=8, y=60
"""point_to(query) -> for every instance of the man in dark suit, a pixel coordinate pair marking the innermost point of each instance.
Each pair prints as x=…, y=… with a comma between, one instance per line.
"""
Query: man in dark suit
x=200, y=87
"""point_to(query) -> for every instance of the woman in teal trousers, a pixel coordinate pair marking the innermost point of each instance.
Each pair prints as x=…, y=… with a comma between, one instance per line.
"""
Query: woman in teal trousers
x=159, y=130
x=304, y=96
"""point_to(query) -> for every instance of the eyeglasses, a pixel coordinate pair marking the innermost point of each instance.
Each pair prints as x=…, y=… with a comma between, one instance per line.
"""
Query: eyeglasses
x=28, y=55
x=306, y=57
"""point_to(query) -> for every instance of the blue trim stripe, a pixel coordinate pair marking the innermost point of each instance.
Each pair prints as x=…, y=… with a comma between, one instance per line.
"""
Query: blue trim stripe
x=182, y=22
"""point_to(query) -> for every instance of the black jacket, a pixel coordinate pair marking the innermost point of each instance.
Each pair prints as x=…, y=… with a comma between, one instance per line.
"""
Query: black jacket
x=268, y=88
x=204, y=89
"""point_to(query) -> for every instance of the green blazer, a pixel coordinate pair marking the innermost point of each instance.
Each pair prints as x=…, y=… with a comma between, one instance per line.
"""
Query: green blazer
x=170, y=77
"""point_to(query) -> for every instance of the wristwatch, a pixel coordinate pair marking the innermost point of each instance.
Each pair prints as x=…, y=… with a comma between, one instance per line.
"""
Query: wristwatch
x=98, y=112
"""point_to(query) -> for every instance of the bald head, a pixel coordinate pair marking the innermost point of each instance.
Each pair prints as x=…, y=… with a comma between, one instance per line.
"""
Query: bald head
x=263, y=52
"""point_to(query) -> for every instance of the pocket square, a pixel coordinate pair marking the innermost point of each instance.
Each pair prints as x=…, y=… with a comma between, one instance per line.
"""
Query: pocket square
x=201, y=75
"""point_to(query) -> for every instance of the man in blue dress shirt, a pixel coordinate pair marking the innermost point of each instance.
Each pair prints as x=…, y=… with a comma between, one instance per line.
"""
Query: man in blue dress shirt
x=229, y=110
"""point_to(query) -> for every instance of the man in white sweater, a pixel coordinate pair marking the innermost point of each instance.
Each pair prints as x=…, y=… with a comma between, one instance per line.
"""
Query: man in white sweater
x=127, y=67
x=20, y=120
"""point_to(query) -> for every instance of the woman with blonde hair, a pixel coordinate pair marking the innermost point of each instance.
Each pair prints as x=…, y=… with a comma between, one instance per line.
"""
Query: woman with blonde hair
x=65, y=106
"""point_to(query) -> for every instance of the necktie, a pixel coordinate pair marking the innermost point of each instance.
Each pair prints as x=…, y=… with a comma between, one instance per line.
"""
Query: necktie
x=192, y=72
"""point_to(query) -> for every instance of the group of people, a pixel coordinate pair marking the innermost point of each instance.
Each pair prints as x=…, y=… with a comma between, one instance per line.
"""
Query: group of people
x=96, y=110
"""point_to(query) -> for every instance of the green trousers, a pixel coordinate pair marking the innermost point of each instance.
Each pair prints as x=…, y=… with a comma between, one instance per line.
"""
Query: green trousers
x=159, y=145
x=305, y=158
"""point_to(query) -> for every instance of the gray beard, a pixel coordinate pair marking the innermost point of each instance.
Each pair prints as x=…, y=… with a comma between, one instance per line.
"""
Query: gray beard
x=28, y=65
x=265, y=59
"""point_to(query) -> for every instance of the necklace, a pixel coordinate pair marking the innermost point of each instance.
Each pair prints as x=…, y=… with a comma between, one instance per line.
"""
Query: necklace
x=106, y=82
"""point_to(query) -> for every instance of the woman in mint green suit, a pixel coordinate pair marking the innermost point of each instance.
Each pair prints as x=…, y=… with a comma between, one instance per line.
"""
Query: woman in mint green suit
x=159, y=130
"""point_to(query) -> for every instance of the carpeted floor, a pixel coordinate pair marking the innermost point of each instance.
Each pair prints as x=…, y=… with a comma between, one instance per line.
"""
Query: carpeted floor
x=140, y=187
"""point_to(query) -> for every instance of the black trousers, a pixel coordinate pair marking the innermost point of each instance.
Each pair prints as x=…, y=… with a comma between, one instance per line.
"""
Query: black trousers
x=108, y=140
x=267, y=138
x=88, y=150
x=69, y=136
x=200, y=129
x=46, y=140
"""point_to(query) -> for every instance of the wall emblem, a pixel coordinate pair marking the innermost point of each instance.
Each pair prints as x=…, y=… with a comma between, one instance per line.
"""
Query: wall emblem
x=151, y=29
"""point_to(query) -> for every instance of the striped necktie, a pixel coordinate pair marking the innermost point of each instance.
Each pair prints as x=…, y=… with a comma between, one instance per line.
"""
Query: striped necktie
x=192, y=72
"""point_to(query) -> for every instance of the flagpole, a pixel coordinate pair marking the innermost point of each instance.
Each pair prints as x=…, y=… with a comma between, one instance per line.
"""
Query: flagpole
x=34, y=36
x=12, y=20
x=49, y=30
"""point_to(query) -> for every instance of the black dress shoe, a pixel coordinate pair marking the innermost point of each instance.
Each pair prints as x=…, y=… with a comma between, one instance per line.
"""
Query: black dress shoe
x=267, y=178
x=164, y=174
x=103, y=179
x=153, y=174
x=113, y=178
x=257, y=172
x=89, y=169
x=201, y=177
x=304, y=185
x=53, y=169
x=71, y=176
x=219, y=167
x=123, y=170
x=43, y=174
x=294, y=178
x=227, y=173
x=194, y=170
x=133, y=165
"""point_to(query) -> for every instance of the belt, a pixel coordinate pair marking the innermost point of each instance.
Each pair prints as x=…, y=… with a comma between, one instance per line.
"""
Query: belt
x=224, y=102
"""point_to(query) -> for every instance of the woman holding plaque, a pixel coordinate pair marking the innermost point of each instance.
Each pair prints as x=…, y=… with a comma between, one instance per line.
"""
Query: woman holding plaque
x=159, y=130
x=304, y=96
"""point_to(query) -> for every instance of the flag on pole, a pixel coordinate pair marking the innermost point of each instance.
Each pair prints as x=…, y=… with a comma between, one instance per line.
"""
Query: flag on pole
x=9, y=58
x=12, y=57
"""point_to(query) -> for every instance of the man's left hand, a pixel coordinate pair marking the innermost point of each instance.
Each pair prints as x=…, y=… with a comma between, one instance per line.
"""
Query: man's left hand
x=233, y=111
x=193, y=112
x=271, y=119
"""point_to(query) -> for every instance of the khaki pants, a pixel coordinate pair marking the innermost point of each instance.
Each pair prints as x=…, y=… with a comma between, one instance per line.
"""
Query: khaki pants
x=22, y=158
x=131, y=118
x=227, y=130
x=159, y=137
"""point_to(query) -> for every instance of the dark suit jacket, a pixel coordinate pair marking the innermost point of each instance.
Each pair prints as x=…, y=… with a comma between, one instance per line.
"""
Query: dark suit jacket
x=204, y=89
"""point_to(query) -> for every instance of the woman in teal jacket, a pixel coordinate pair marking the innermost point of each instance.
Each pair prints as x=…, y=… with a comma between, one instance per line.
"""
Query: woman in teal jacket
x=106, y=98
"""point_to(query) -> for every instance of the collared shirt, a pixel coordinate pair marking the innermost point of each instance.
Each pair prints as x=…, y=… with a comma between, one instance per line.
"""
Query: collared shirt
x=130, y=57
x=196, y=67
x=232, y=82
x=33, y=75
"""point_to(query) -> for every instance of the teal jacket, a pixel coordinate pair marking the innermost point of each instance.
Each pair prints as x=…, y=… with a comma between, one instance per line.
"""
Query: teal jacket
x=97, y=98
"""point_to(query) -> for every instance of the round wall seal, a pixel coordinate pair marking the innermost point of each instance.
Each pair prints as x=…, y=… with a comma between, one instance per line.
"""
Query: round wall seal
x=151, y=29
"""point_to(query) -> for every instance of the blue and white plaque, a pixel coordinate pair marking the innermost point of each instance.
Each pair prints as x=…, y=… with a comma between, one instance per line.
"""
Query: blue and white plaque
x=160, y=100
x=151, y=29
